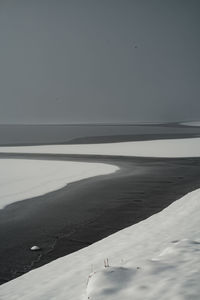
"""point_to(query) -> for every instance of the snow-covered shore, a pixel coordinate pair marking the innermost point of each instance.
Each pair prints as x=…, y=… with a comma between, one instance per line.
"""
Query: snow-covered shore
x=188, y=147
x=155, y=259
x=22, y=179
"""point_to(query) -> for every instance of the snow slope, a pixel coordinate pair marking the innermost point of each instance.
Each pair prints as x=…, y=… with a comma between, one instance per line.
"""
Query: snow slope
x=156, y=148
x=155, y=259
x=23, y=179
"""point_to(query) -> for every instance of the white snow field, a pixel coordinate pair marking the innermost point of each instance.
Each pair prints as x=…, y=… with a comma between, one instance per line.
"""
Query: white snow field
x=22, y=179
x=157, y=148
x=196, y=123
x=155, y=259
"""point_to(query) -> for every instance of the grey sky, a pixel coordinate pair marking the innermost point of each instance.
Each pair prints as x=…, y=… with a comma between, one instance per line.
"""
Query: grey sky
x=99, y=60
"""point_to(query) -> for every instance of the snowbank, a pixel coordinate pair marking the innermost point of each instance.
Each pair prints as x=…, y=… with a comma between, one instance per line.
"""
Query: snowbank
x=173, y=274
x=23, y=179
x=155, y=259
x=157, y=148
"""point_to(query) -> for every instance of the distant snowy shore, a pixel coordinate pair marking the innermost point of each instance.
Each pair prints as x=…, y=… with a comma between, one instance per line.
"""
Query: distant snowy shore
x=196, y=124
x=188, y=147
x=22, y=179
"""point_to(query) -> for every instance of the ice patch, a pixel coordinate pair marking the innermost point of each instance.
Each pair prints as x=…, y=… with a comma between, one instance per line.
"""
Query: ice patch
x=35, y=248
x=21, y=179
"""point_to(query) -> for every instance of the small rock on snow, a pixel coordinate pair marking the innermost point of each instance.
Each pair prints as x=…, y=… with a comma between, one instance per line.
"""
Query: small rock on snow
x=35, y=248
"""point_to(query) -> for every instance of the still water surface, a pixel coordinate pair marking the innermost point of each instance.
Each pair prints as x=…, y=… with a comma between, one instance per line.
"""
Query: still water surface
x=52, y=134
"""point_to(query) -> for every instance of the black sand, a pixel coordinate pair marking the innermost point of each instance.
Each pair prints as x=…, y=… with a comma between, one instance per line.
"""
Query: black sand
x=86, y=211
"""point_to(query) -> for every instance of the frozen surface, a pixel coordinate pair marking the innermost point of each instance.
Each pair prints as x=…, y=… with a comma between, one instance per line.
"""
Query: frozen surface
x=23, y=179
x=156, y=148
x=197, y=123
x=154, y=259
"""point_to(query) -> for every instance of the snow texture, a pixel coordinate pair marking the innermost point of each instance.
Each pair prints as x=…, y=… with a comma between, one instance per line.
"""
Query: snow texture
x=22, y=179
x=156, y=148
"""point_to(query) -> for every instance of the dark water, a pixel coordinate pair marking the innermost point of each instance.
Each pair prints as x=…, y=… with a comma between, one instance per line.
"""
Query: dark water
x=52, y=134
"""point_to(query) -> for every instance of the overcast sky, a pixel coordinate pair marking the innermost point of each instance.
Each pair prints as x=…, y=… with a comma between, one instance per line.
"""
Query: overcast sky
x=99, y=60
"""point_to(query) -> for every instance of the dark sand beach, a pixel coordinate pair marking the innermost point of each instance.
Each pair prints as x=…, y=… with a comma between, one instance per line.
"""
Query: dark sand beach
x=83, y=212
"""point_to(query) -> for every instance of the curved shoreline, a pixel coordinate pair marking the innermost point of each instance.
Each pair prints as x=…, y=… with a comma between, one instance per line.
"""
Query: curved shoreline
x=22, y=179
x=101, y=206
